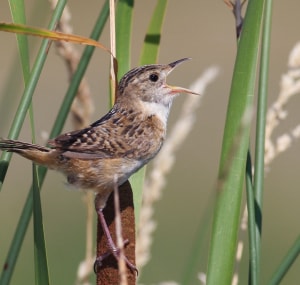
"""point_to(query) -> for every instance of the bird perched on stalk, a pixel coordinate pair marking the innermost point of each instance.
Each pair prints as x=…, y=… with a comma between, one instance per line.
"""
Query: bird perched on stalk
x=111, y=149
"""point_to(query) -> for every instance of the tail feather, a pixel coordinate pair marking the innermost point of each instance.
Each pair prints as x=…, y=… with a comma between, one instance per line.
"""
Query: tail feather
x=18, y=146
x=37, y=153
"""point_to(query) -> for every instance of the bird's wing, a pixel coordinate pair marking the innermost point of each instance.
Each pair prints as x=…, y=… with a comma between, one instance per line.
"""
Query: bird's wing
x=91, y=142
x=117, y=134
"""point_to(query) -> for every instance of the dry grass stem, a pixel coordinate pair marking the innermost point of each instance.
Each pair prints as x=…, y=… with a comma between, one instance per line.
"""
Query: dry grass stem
x=120, y=241
x=81, y=111
x=112, y=29
x=231, y=4
x=163, y=163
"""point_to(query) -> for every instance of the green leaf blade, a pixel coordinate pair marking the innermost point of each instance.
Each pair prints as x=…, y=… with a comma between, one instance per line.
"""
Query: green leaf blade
x=17, y=9
x=124, y=14
x=152, y=39
x=149, y=55
x=40, y=255
x=234, y=153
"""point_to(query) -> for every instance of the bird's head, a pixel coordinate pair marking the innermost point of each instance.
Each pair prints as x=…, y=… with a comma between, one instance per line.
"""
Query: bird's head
x=148, y=84
x=145, y=89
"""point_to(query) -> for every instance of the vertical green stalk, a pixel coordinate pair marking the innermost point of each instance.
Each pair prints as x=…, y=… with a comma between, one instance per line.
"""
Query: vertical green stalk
x=17, y=9
x=40, y=255
x=253, y=277
x=150, y=48
x=260, y=129
x=234, y=153
x=123, y=35
x=149, y=55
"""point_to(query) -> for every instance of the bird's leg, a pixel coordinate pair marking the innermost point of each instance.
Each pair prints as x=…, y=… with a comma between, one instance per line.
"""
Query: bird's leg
x=110, y=243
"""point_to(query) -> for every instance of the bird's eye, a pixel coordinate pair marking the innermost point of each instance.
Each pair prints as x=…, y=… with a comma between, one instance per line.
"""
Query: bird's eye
x=153, y=77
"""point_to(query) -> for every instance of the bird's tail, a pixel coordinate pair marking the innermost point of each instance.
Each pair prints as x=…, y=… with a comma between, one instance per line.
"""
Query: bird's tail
x=36, y=153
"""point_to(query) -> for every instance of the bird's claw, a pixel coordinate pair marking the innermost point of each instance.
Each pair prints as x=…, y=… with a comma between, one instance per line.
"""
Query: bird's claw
x=115, y=252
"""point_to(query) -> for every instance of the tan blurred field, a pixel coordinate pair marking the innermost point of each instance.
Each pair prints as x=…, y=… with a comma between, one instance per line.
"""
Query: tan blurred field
x=203, y=30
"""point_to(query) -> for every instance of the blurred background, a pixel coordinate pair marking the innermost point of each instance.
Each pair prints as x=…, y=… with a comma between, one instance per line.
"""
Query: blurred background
x=205, y=31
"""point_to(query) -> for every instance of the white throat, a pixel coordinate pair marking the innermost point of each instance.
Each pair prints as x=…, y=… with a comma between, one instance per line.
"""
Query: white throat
x=158, y=109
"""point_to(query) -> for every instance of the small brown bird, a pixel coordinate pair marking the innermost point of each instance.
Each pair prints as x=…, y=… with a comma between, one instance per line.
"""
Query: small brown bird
x=111, y=149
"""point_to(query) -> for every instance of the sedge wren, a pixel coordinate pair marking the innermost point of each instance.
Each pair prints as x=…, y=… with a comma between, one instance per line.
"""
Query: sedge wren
x=111, y=149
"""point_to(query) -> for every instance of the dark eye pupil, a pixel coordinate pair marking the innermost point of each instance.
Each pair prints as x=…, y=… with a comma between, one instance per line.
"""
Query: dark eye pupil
x=153, y=77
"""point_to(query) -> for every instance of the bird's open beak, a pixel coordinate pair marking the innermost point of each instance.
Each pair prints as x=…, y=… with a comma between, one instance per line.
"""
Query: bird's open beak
x=176, y=89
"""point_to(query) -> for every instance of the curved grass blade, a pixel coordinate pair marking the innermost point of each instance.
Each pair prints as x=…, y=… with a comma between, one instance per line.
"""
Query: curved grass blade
x=55, y=36
x=287, y=262
x=231, y=175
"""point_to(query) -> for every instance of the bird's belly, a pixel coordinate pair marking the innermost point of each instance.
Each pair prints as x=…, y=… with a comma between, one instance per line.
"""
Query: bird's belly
x=101, y=174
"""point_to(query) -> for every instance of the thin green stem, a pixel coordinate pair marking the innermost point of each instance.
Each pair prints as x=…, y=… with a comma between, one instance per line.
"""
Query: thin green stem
x=148, y=55
x=40, y=253
x=253, y=278
x=17, y=9
x=123, y=35
x=260, y=128
x=286, y=263
x=151, y=45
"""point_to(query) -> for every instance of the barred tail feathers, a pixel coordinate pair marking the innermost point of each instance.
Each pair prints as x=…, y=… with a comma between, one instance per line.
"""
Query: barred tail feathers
x=36, y=153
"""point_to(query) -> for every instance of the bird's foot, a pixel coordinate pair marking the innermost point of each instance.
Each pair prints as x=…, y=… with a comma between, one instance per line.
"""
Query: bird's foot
x=113, y=249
